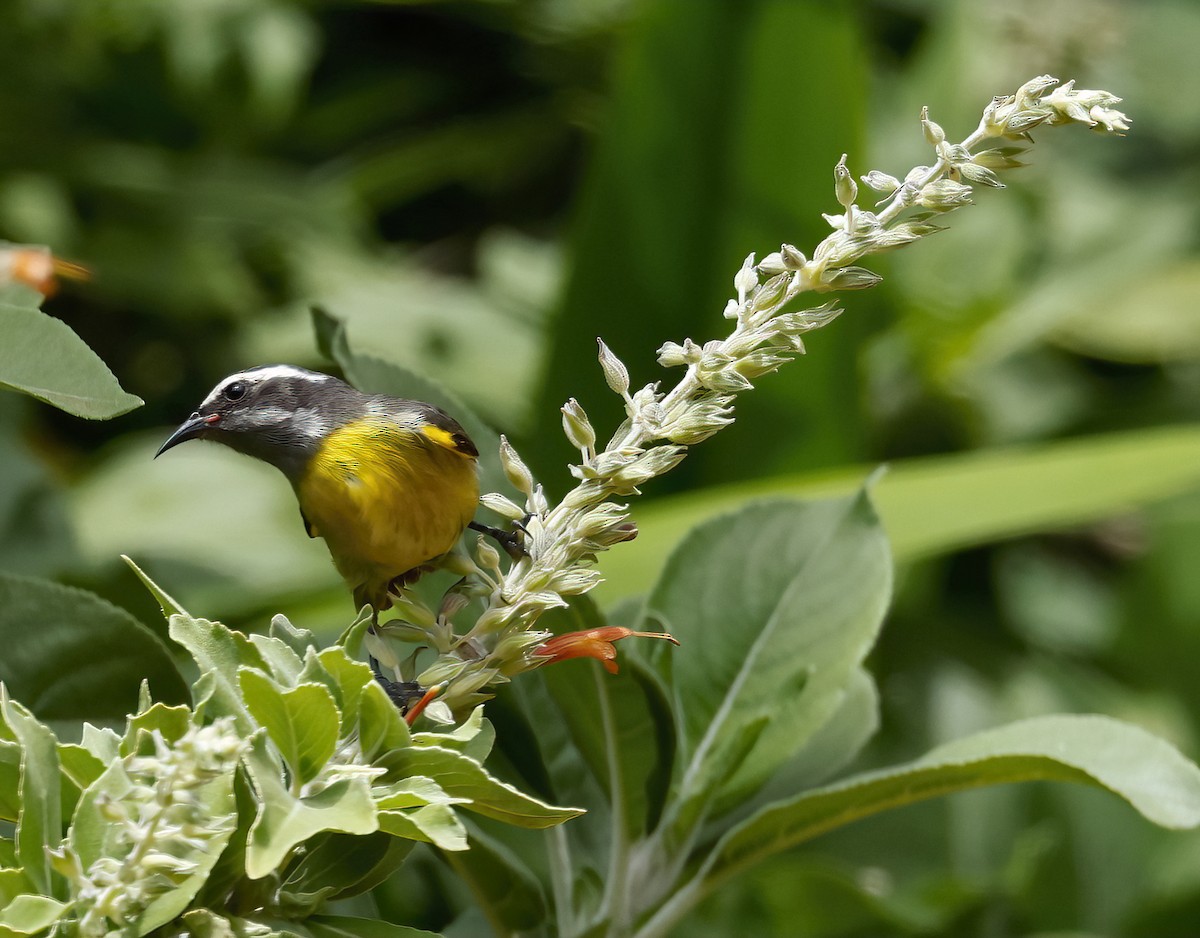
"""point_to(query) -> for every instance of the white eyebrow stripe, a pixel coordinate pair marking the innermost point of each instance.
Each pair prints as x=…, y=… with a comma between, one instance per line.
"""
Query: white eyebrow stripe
x=278, y=371
x=265, y=373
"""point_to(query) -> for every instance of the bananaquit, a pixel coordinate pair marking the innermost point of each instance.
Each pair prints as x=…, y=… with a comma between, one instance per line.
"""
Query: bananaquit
x=390, y=484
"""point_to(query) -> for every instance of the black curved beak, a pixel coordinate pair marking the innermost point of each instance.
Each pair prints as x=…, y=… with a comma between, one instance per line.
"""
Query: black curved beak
x=188, y=430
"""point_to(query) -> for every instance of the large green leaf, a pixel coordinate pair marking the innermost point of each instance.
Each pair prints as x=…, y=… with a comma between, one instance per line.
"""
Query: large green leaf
x=40, y=825
x=285, y=820
x=508, y=893
x=435, y=824
x=336, y=865
x=301, y=721
x=1146, y=771
x=42, y=357
x=936, y=504
x=833, y=746
x=30, y=915
x=463, y=777
x=776, y=607
x=70, y=655
x=219, y=652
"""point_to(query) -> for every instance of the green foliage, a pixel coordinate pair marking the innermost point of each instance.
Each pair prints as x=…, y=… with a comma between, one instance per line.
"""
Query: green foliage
x=43, y=358
x=334, y=788
x=70, y=655
x=222, y=168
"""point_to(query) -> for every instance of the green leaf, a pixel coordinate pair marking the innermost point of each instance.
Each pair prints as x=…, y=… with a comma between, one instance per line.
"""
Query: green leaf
x=937, y=504
x=40, y=824
x=80, y=768
x=465, y=778
x=13, y=882
x=203, y=923
x=171, y=722
x=302, y=722
x=412, y=792
x=336, y=866
x=776, y=607
x=284, y=820
x=621, y=723
x=510, y=895
x=298, y=640
x=219, y=653
x=70, y=655
x=343, y=926
x=1146, y=771
x=346, y=679
x=28, y=915
x=381, y=728
x=10, y=780
x=1157, y=323
x=435, y=824
x=166, y=602
x=42, y=357
x=283, y=663
x=833, y=746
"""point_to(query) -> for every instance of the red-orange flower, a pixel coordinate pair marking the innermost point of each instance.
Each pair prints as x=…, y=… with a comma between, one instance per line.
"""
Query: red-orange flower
x=36, y=267
x=592, y=643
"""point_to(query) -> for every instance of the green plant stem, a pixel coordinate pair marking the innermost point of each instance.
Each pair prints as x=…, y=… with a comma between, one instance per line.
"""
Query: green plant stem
x=616, y=890
x=561, y=875
x=680, y=902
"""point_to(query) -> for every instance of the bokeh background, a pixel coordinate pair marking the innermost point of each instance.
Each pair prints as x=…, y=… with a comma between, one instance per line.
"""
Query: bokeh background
x=480, y=188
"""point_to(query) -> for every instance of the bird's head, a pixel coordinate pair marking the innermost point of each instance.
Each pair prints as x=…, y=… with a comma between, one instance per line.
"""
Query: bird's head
x=276, y=413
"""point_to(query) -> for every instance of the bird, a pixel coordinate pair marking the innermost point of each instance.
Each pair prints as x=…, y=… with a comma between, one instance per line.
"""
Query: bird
x=389, y=483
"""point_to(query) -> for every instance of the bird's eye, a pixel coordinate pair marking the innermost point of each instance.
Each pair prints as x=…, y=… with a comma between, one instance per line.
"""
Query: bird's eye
x=235, y=391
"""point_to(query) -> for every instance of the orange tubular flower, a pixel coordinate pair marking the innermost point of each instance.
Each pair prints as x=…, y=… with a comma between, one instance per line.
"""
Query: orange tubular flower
x=36, y=267
x=592, y=643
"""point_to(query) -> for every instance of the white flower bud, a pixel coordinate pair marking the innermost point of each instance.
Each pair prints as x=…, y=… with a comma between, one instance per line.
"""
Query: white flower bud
x=843, y=184
x=494, y=501
x=793, y=257
x=745, y=279
x=488, y=556
x=1033, y=89
x=514, y=467
x=725, y=380
x=1110, y=120
x=772, y=293
x=979, y=175
x=615, y=373
x=849, y=278
x=577, y=427
x=671, y=355
x=933, y=131
x=881, y=182
x=772, y=264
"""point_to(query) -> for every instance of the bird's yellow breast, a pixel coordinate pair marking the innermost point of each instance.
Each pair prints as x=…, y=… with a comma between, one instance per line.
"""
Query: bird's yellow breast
x=386, y=499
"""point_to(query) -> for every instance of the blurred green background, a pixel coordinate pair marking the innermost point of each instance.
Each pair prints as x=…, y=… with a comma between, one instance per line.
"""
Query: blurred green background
x=481, y=188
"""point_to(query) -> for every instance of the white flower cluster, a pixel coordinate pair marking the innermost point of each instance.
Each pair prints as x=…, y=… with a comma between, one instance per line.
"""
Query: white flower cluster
x=159, y=827
x=562, y=541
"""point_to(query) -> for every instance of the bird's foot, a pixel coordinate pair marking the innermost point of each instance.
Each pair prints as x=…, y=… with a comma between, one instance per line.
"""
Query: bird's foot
x=512, y=541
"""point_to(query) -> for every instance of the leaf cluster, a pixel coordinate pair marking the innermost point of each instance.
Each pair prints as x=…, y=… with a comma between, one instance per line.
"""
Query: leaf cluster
x=329, y=794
